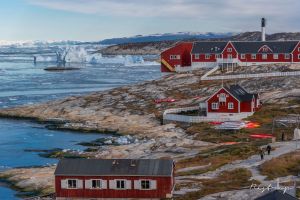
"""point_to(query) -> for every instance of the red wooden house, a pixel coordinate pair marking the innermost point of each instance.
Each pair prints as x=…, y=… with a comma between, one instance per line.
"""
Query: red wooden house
x=232, y=101
x=114, y=179
x=235, y=53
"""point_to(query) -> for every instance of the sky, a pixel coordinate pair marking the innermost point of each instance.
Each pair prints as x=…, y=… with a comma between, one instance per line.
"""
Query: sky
x=93, y=20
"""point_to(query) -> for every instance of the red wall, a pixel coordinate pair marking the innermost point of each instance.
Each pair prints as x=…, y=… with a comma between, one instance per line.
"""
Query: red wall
x=295, y=54
x=164, y=186
x=183, y=49
x=225, y=52
x=270, y=58
x=203, y=59
x=223, y=108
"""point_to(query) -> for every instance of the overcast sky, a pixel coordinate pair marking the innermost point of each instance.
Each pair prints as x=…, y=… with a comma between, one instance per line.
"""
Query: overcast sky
x=99, y=19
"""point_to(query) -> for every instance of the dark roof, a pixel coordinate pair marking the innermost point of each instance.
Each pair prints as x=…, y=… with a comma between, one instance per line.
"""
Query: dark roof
x=276, y=195
x=275, y=46
x=115, y=167
x=240, y=93
x=208, y=47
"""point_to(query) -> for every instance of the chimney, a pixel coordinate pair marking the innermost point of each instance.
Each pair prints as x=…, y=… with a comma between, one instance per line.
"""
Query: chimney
x=263, y=29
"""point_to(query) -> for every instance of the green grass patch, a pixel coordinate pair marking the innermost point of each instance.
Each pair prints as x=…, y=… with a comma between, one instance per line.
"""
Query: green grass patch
x=285, y=165
x=226, y=181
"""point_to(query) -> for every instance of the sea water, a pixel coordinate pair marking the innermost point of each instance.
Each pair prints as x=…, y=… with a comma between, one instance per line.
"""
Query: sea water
x=27, y=84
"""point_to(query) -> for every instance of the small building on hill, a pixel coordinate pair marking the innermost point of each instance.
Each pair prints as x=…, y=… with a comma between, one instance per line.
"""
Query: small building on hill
x=114, y=179
x=232, y=101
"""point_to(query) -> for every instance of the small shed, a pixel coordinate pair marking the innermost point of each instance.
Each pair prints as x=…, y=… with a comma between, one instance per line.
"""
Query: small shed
x=114, y=178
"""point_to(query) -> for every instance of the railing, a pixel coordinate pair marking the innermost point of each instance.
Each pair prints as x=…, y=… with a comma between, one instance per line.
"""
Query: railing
x=243, y=76
x=170, y=115
x=227, y=60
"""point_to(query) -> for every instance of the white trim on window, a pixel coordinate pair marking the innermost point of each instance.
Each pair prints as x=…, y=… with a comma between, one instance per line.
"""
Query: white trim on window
x=275, y=56
x=264, y=56
x=207, y=56
x=243, y=56
x=197, y=56
x=229, y=50
x=174, y=57
x=230, y=106
x=287, y=56
x=215, y=106
x=253, y=56
x=298, y=56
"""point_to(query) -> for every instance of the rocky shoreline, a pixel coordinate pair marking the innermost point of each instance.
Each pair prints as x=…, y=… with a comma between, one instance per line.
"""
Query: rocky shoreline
x=131, y=110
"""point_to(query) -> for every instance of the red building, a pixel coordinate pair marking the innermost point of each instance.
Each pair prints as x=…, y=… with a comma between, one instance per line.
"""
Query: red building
x=211, y=54
x=113, y=179
x=232, y=101
x=176, y=56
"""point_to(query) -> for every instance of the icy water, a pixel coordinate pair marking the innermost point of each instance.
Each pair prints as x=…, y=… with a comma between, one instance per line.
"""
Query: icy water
x=25, y=83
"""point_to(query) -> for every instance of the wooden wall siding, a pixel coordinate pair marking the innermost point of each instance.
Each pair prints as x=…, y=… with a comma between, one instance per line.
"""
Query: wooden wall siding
x=164, y=186
x=224, y=107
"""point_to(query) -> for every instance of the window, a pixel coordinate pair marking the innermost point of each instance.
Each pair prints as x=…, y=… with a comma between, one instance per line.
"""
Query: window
x=214, y=106
x=275, y=56
x=264, y=56
x=145, y=184
x=120, y=184
x=298, y=56
x=253, y=56
x=175, y=57
x=222, y=98
x=298, y=48
x=218, y=56
x=72, y=184
x=243, y=56
x=230, y=106
x=287, y=56
x=197, y=56
x=229, y=56
x=96, y=184
x=229, y=50
x=207, y=56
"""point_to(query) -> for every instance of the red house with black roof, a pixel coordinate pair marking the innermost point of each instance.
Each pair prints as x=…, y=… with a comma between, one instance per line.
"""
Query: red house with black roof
x=232, y=101
x=208, y=54
x=114, y=179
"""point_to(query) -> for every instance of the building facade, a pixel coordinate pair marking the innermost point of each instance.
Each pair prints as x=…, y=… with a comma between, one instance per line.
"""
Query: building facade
x=114, y=179
x=233, y=53
x=231, y=101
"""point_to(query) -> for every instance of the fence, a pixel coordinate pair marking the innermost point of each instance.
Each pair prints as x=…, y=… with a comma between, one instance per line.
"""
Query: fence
x=171, y=115
x=242, y=76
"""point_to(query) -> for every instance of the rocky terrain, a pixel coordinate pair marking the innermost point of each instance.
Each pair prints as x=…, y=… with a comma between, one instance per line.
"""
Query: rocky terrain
x=155, y=48
x=131, y=110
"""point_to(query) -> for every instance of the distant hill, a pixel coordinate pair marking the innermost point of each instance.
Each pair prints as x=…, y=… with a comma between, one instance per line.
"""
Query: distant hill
x=155, y=47
x=165, y=37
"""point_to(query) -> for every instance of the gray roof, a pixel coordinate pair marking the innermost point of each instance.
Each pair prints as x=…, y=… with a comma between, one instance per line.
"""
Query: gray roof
x=208, y=47
x=240, y=93
x=276, y=195
x=275, y=46
x=114, y=167
x=244, y=47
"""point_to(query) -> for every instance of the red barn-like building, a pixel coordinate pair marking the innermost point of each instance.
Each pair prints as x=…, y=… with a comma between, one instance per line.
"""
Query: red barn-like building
x=232, y=101
x=236, y=53
x=114, y=179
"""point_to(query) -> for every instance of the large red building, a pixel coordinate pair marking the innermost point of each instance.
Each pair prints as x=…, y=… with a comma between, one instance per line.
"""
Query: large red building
x=114, y=179
x=211, y=54
x=232, y=101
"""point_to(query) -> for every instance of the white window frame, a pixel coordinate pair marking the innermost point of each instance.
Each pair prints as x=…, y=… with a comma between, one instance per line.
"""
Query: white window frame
x=197, y=56
x=68, y=185
x=222, y=98
x=123, y=180
x=142, y=184
x=101, y=186
x=264, y=56
x=214, y=106
x=207, y=56
x=298, y=56
x=276, y=56
x=287, y=56
x=174, y=57
x=229, y=56
x=243, y=56
x=299, y=49
x=218, y=56
x=253, y=56
x=230, y=105
x=229, y=50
